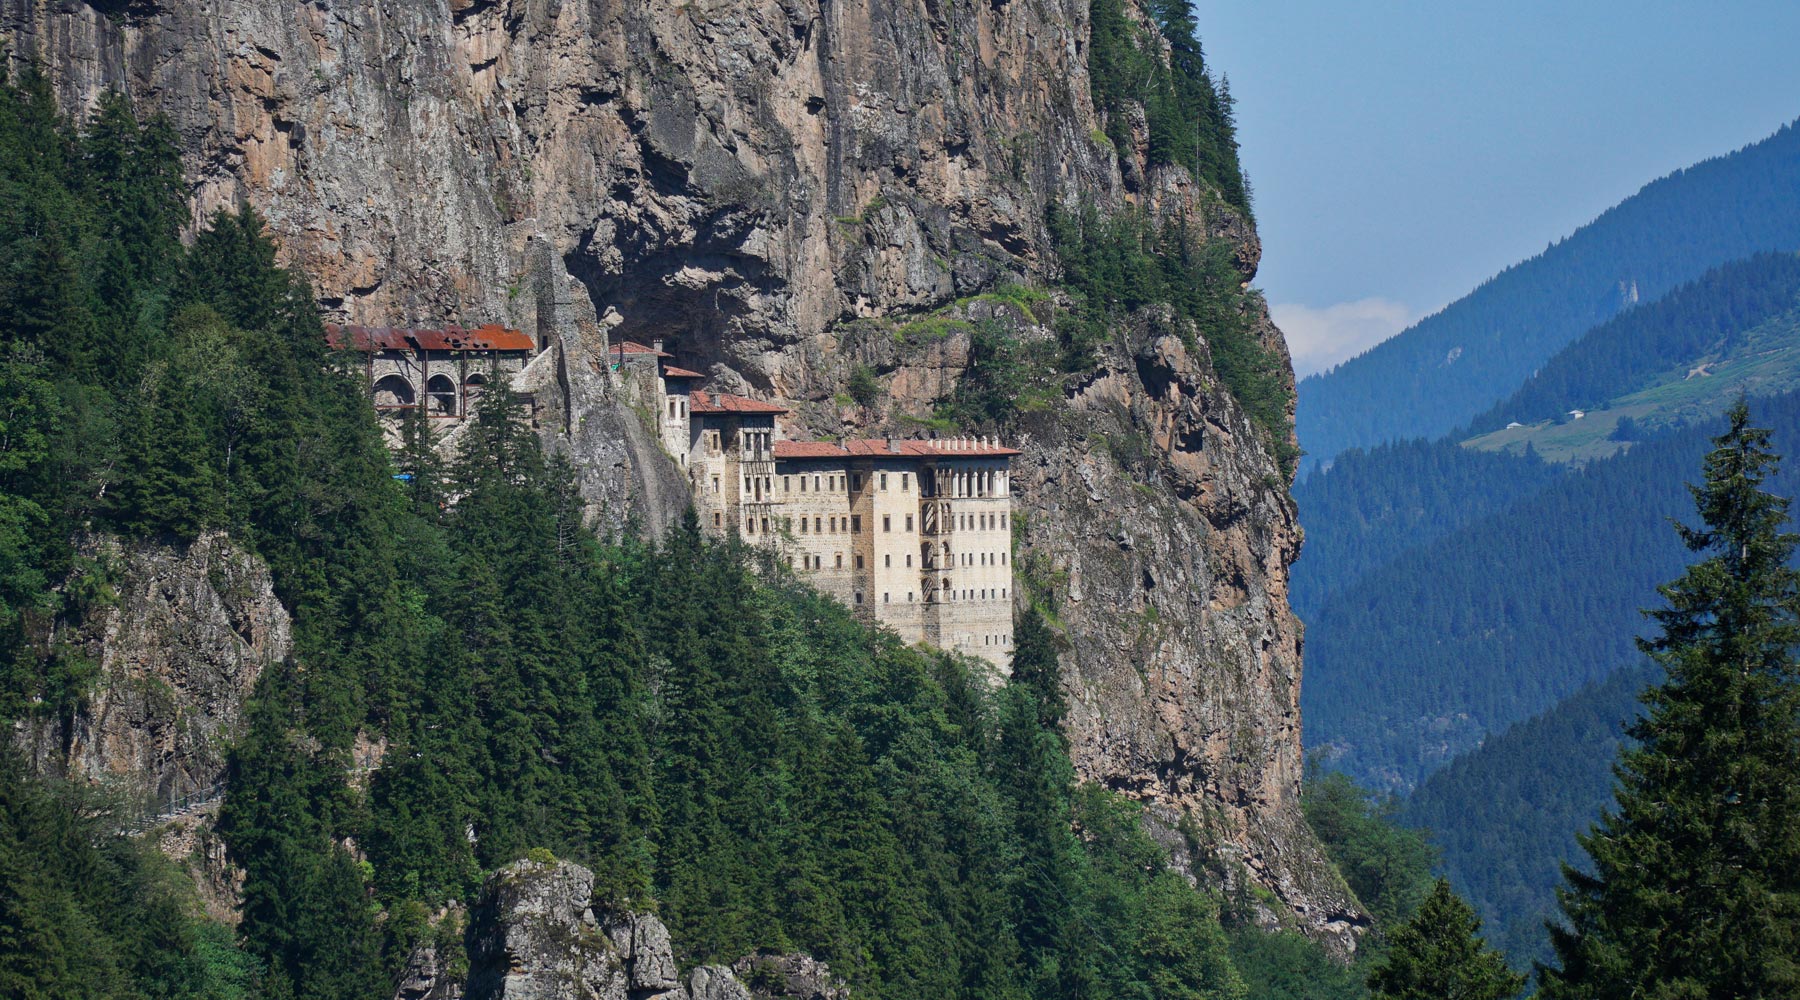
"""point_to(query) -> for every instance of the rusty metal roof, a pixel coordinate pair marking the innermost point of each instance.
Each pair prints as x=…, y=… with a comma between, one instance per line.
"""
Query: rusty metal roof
x=489, y=337
x=719, y=402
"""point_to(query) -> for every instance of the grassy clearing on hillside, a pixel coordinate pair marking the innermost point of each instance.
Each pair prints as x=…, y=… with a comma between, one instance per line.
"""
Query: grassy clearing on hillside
x=1764, y=361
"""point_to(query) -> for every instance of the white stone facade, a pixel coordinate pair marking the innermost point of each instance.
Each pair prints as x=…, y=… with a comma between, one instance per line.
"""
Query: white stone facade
x=915, y=535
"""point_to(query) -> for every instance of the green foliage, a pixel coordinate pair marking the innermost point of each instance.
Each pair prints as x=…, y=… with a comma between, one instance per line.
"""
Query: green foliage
x=1386, y=865
x=1504, y=831
x=863, y=387
x=1453, y=365
x=1284, y=965
x=1127, y=262
x=1439, y=954
x=1006, y=377
x=1189, y=118
x=1372, y=506
x=88, y=914
x=1692, y=889
x=1418, y=658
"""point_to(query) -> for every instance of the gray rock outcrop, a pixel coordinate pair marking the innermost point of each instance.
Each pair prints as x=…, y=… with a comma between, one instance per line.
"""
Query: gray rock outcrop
x=535, y=936
x=179, y=635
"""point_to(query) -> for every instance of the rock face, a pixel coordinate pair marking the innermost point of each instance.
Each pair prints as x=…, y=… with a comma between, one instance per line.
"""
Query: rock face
x=765, y=183
x=534, y=936
x=179, y=637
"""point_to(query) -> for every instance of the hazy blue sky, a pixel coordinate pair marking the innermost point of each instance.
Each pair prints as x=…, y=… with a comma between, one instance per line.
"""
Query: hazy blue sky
x=1402, y=152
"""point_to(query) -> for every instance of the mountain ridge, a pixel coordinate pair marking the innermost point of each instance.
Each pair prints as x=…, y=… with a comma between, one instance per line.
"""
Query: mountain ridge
x=1450, y=366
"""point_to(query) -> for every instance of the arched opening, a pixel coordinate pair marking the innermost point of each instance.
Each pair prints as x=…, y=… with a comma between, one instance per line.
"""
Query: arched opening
x=473, y=387
x=440, y=395
x=393, y=391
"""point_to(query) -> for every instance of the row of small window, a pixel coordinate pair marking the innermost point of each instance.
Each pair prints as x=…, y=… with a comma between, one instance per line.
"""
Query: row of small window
x=853, y=523
x=823, y=483
x=981, y=522
x=887, y=561
x=949, y=595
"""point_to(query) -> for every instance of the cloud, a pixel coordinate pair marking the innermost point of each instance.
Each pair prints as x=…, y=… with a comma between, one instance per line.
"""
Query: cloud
x=1320, y=338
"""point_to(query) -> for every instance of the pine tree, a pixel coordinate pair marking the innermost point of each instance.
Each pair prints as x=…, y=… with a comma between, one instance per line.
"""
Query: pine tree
x=1439, y=955
x=1695, y=882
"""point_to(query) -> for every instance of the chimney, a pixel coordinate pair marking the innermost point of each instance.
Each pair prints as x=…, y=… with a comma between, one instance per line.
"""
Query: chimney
x=656, y=344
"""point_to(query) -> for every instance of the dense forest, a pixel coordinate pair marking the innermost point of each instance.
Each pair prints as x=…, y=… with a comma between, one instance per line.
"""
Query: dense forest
x=1707, y=317
x=1457, y=363
x=1372, y=506
x=1504, y=816
x=1188, y=115
x=716, y=741
x=1495, y=622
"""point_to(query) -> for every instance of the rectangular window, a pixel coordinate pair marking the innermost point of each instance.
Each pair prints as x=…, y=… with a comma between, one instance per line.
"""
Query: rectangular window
x=884, y=598
x=855, y=523
x=840, y=560
x=859, y=560
x=715, y=485
x=884, y=482
x=803, y=484
x=887, y=523
x=909, y=522
x=909, y=560
x=716, y=520
x=1003, y=522
x=887, y=560
x=803, y=526
x=904, y=476
x=815, y=484
x=909, y=597
x=786, y=487
x=856, y=481
x=816, y=525
x=834, y=525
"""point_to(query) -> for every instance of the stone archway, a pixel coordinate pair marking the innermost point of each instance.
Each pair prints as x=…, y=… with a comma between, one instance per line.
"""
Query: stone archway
x=394, y=392
x=440, y=396
x=473, y=388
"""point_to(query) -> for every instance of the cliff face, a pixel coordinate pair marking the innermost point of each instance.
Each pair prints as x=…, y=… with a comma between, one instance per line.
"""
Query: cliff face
x=534, y=935
x=177, y=637
x=766, y=183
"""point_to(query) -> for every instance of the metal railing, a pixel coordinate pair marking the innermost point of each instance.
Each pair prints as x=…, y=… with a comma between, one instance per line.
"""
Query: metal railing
x=178, y=808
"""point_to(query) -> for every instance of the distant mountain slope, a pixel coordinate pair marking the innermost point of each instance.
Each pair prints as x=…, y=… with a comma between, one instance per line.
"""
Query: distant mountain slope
x=1505, y=814
x=1373, y=505
x=1734, y=331
x=1457, y=363
x=1464, y=635
x=1709, y=315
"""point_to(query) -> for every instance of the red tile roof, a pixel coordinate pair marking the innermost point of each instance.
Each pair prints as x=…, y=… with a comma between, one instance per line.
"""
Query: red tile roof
x=808, y=449
x=884, y=447
x=490, y=337
x=670, y=371
x=633, y=347
x=719, y=402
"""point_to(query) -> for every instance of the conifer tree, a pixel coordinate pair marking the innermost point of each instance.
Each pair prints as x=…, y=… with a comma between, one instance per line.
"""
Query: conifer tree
x=1439, y=955
x=1695, y=882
